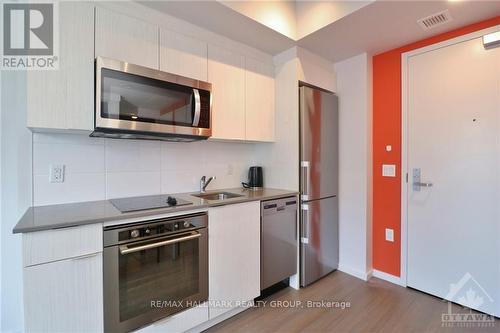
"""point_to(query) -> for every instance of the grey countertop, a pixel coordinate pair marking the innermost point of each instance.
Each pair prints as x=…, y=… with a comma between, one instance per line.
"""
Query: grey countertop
x=73, y=214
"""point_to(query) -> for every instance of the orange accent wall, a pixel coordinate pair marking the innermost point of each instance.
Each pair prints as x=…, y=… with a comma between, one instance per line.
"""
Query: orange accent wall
x=387, y=131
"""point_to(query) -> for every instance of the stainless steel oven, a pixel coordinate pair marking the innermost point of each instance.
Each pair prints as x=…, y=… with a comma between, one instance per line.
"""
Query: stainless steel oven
x=143, y=103
x=153, y=269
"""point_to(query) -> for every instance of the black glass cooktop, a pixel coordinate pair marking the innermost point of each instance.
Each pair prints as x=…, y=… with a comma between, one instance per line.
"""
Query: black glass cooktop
x=132, y=204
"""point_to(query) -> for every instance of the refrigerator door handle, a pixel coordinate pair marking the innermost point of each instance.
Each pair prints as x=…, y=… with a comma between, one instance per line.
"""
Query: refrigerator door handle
x=304, y=209
x=306, y=175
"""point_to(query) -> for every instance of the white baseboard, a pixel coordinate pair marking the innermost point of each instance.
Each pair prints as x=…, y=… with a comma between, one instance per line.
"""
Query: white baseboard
x=388, y=277
x=212, y=322
x=355, y=272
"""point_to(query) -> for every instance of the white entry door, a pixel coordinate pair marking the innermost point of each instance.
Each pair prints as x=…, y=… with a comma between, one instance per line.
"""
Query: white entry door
x=454, y=174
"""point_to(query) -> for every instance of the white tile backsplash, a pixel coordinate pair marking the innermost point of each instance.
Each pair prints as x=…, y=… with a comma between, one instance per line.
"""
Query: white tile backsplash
x=182, y=156
x=97, y=169
x=83, y=158
x=76, y=187
x=130, y=156
x=131, y=184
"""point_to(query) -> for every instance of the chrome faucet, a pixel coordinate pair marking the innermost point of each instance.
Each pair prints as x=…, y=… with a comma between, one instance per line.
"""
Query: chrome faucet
x=204, y=183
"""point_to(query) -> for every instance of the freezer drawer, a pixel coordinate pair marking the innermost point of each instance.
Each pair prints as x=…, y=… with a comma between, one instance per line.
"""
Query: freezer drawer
x=279, y=240
x=319, y=253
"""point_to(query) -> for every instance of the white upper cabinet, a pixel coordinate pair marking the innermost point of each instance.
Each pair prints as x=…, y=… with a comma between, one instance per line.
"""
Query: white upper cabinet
x=183, y=55
x=126, y=38
x=227, y=75
x=64, y=98
x=259, y=100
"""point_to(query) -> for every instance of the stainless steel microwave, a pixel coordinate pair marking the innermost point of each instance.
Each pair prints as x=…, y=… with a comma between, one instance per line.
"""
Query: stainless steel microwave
x=135, y=102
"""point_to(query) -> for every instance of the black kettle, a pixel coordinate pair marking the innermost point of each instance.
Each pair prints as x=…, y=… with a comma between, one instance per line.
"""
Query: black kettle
x=255, y=178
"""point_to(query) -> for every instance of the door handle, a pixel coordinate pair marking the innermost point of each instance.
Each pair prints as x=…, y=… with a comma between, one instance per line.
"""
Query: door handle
x=423, y=184
x=417, y=183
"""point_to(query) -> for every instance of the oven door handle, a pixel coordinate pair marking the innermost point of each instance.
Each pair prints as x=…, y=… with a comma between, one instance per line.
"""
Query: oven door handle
x=124, y=249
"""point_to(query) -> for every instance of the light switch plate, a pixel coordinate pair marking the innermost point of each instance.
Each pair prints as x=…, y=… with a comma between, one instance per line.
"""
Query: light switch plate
x=389, y=170
x=389, y=235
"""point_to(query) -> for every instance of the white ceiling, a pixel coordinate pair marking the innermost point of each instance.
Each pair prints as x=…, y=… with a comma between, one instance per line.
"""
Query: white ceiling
x=314, y=15
x=277, y=15
x=379, y=26
x=295, y=19
x=218, y=18
x=384, y=25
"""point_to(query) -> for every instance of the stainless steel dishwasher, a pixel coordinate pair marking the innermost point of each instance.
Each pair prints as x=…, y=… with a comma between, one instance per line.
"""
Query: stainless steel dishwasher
x=278, y=240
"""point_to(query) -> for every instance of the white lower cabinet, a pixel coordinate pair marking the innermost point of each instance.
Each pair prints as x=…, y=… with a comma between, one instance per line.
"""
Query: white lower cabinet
x=234, y=256
x=64, y=296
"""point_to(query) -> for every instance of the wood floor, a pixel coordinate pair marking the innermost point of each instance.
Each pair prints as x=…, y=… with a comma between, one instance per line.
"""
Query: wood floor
x=375, y=306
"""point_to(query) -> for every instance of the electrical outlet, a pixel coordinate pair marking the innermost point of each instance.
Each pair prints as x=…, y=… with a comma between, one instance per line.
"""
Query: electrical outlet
x=389, y=235
x=230, y=169
x=56, y=173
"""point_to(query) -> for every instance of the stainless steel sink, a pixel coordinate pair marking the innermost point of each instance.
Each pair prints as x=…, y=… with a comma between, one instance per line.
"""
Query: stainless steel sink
x=217, y=195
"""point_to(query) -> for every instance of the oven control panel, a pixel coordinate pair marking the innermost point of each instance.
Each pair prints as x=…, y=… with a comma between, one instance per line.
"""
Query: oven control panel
x=153, y=228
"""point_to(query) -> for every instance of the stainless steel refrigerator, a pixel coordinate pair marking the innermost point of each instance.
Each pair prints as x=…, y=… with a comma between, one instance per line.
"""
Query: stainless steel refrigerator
x=319, y=251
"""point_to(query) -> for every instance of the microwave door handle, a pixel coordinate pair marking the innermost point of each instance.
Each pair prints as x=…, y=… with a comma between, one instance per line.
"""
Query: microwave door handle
x=197, y=107
x=124, y=249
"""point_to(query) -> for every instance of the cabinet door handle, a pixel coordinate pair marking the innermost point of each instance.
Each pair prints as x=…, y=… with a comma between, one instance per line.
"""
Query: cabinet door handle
x=86, y=256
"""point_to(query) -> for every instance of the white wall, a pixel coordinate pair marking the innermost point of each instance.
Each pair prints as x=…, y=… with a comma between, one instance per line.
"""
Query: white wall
x=98, y=169
x=15, y=192
x=281, y=159
x=315, y=70
x=355, y=164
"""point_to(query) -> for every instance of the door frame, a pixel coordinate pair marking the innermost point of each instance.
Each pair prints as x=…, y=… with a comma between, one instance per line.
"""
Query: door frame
x=404, y=135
